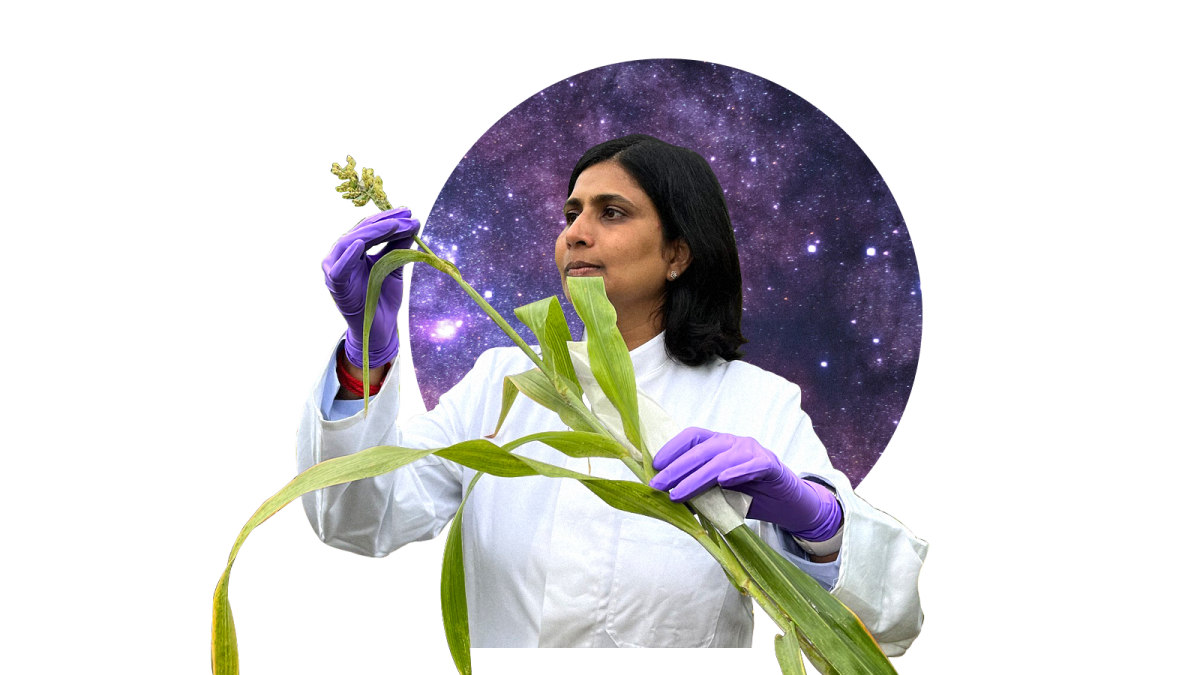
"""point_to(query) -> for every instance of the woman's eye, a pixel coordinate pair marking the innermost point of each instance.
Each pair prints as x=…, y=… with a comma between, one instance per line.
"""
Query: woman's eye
x=609, y=213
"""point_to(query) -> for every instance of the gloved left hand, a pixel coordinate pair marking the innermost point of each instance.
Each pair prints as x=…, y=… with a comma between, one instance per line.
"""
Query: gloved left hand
x=697, y=459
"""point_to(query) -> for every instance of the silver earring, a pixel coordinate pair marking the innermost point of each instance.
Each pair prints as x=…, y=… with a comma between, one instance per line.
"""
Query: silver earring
x=674, y=275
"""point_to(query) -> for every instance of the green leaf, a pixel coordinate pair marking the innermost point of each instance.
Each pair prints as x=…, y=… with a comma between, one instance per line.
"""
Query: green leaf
x=507, y=399
x=608, y=355
x=830, y=634
x=482, y=455
x=224, y=660
x=536, y=385
x=389, y=263
x=635, y=497
x=454, y=591
x=787, y=651
x=576, y=444
x=489, y=459
x=630, y=496
x=366, y=464
x=545, y=318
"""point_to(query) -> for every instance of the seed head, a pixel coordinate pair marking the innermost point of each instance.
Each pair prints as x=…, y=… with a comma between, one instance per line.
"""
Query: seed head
x=368, y=189
x=347, y=173
x=378, y=196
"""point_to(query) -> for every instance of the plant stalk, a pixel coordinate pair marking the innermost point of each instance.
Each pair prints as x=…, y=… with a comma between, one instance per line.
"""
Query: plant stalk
x=487, y=308
x=741, y=579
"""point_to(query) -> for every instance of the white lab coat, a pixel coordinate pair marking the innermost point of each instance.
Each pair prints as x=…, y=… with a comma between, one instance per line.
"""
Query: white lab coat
x=548, y=564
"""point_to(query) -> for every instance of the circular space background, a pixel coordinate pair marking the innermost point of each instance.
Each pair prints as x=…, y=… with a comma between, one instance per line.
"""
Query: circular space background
x=831, y=290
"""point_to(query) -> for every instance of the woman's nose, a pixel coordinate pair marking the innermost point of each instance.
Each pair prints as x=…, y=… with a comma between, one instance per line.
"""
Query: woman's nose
x=578, y=233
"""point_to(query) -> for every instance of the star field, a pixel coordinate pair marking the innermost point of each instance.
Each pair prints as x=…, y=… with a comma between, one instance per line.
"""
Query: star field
x=831, y=291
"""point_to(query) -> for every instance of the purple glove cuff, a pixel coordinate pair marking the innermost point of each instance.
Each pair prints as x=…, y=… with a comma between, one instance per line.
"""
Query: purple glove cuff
x=818, y=500
x=380, y=354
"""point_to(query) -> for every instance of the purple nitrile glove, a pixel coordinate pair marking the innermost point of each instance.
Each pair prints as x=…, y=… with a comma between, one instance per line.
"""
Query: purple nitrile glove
x=697, y=459
x=347, y=271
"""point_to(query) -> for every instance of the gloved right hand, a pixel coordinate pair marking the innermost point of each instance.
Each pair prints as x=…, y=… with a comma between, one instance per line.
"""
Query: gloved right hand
x=347, y=270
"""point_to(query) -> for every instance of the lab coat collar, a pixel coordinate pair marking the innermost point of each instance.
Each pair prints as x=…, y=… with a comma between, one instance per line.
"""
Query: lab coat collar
x=647, y=357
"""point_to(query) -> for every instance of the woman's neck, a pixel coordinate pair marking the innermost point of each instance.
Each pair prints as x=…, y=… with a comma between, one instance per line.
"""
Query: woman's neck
x=641, y=332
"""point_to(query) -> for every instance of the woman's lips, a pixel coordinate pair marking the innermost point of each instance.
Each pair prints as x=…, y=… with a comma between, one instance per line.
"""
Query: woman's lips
x=583, y=272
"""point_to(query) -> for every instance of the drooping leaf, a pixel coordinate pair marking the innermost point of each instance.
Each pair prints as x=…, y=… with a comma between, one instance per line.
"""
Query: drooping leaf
x=366, y=464
x=224, y=659
x=787, y=651
x=608, y=355
x=482, y=455
x=830, y=634
x=630, y=496
x=506, y=401
x=490, y=459
x=545, y=318
x=576, y=444
x=454, y=590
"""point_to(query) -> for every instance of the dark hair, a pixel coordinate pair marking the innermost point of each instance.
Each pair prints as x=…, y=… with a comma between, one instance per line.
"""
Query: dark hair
x=702, y=309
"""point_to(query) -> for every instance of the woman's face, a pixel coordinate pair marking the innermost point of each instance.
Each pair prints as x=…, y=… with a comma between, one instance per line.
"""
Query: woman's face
x=613, y=232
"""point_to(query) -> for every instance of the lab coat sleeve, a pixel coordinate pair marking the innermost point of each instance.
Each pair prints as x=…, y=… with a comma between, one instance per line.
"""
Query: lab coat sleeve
x=375, y=516
x=879, y=560
x=825, y=574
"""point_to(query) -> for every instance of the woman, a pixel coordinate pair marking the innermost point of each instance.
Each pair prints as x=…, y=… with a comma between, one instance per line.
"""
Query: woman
x=547, y=563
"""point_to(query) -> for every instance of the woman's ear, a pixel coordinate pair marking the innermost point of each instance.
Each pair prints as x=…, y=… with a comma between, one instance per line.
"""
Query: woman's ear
x=679, y=255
